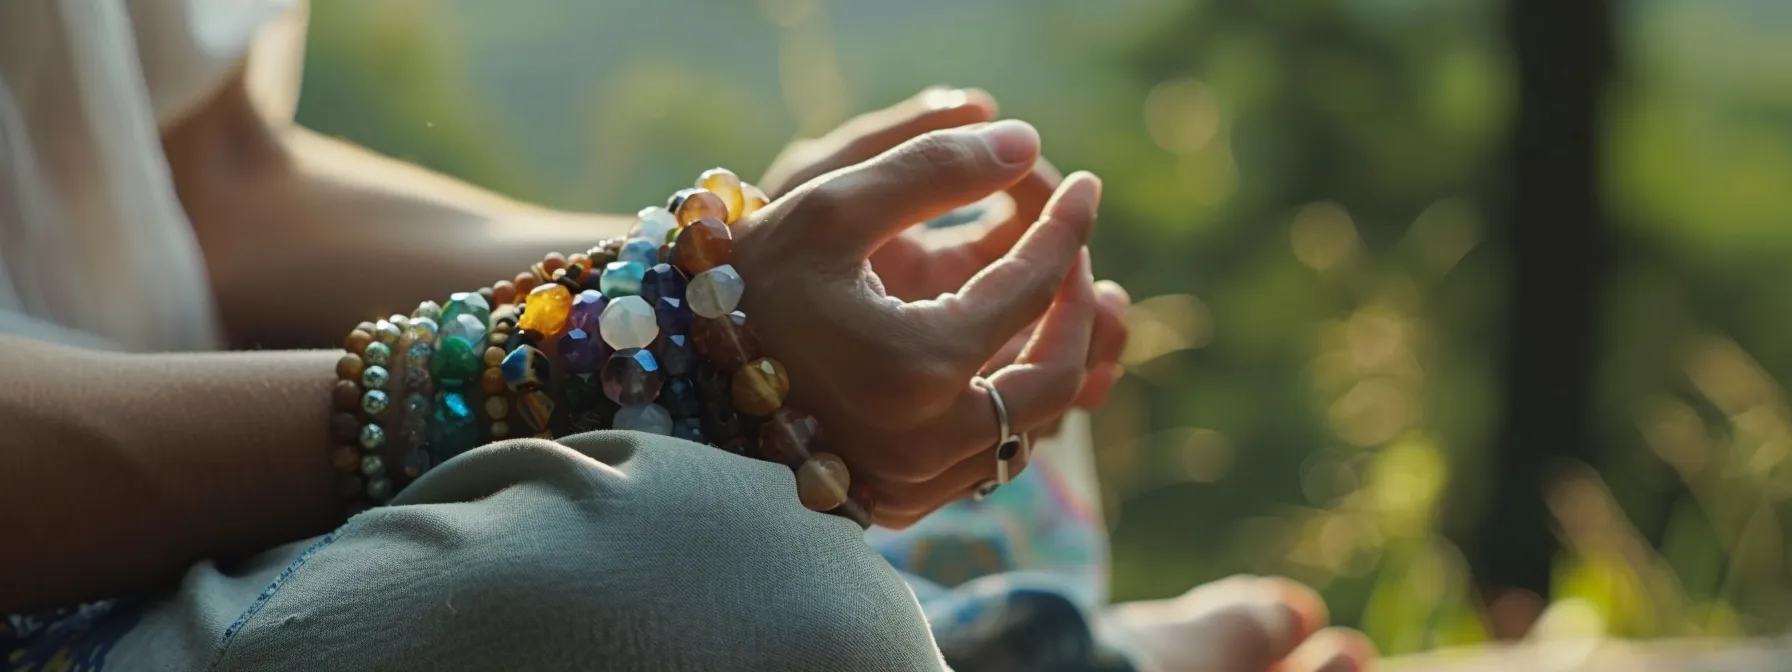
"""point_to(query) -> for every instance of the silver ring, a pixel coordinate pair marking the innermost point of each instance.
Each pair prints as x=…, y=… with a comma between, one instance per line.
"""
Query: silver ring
x=1008, y=443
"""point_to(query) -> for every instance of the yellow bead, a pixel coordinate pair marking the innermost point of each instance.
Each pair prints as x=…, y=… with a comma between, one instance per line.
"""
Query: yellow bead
x=699, y=205
x=752, y=199
x=726, y=184
x=760, y=386
x=545, y=311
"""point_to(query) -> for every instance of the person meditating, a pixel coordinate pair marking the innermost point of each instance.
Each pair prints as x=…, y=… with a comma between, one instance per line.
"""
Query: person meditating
x=533, y=440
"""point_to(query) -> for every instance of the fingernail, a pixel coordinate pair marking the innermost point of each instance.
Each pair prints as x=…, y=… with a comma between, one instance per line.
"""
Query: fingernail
x=1088, y=266
x=1011, y=141
x=945, y=99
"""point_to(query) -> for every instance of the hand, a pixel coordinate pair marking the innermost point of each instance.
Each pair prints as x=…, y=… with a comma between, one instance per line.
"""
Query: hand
x=1235, y=624
x=890, y=380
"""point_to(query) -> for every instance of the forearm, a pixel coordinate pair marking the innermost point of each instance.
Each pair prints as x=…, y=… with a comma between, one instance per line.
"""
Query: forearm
x=118, y=471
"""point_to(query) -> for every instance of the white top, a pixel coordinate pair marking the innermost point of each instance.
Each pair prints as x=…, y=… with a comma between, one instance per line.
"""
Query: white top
x=94, y=247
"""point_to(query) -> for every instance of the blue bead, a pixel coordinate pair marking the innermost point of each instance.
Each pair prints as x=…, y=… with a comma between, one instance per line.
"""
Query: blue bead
x=641, y=252
x=672, y=315
x=689, y=429
x=676, y=354
x=525, y=368
x=621, y=278
x=455, y=429
x=660, y=281
x=679, y=396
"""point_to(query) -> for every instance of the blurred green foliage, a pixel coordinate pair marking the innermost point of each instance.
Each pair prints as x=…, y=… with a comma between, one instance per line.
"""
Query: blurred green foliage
x=1296, y=192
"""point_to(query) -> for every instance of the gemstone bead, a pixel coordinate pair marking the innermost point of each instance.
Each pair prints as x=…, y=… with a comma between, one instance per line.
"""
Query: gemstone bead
x=822, y=482
x=495, y=408
x=689, y=429
x=525, y=368
x=546, y=309
x=586, y=308
x=702, y=245
x=671, y=315
x=464, y=327
x=536, y=409
x=375, y=377
x=420, y=351
x=428, y=310
x=582, y=350
x=377, y=354
x=679, y=396
x=676, y=355
x=416, y=404
x=716, y=292
x=720, y=422
x=379, y=489
x=701, y=204
x=752, y=199
x=455, y=362
x=386, y=332
x=727, y=341
x=628, y=322
x=423, y=329
x=469, y=303
x=654, y=225
x=662, y=280
x=372, y=466
x=643, y=252
x=350, y=367
x=676, y=200
x=632, y=377
x=760, y=387
x=372, y=436
x=455, y=429
x=621, y=278
x=648, y=418
x=374, y=402
x=786, y=436
x=726, y=185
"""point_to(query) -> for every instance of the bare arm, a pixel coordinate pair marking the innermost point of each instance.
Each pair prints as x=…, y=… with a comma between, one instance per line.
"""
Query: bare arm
x=306, y=235
x=117, y=471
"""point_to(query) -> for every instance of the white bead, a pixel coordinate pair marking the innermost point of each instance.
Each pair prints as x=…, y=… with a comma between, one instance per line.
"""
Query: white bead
x=650, y=418
x=656, y=223
x=715, y=292
x=628, y=322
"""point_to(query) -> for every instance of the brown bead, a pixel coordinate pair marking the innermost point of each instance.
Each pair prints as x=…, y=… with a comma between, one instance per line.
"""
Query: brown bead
x=700, y=205
x=350, y=367
x=579, y=259
x=760, y=387
x=492, y=381
x=503, y=291
x=345, y=428
x=703, y=245
x=357, y=341
x=786, y=436
x=727, y=341
x=724, y=183
x=493, y=356
x=346, y=396
x=345, y=459
x=822, y=482
x=524, y=282
x=553, y=262
x=497, y=407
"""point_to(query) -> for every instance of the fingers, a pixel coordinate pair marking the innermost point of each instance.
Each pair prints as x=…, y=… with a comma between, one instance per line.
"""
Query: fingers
x=1331, y=650
x=1030, y=196
x=1257, y=622
x=874, y=133
x=847, y=214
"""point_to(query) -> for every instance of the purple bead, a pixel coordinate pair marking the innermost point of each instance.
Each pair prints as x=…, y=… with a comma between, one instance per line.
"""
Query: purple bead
x=586, y=308
x=672, y=315
x=662, y=280
x=679, y=396
x=676, y=354
x=632, y=377
x=582, y=350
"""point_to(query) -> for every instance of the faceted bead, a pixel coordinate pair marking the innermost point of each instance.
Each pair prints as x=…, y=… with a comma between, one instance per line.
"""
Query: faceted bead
x=643, y=252
x=726, y=341
x=372, y=466
x=379, y=489
x=455, y=429
x=536, y=409
x=586, y=308
x=822, y=482
x=345, y=395
x=632, y=377
x=345, y=427
x=375, y=378
x=470, y=303
x=671, y=315
x=703, y=204
x=350, y=368
x=525, y=368
x=786, y=436
x=689, y=429
x=648, y=418
x=676, y=355
x=372, y=436
x=760, y=387
x=454, y=363
x=417, y=462
x=676, y=200
x=720, y=422
x=428, y=310
x=628, y=322
x=752, y=199
x=375, y=402
x=464, y=327
x=582, y=350
x=386, y=332
x=655, y=222
x=357, y=341
x=725, y=184
x=662, y=280
x=345, y=459
x=703, y=245
x=496, y=408
x=377, y=354
x=546, y=309
x=492, y=382
x=679, y=396
x=621, y=278
x=716, y=292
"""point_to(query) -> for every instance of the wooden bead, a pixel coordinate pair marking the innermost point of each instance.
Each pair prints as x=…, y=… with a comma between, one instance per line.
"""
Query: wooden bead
x=346, y=396
x=760, y=387
x=554, y=261
x=503, y=291
x=345, y=459
x=496, y=407
x=350, y=367
x=524, y=282
x=492, y=381
x=493, y=356
x=357, y=341
x=822, y=482
x=345, y=427
x=485, y=293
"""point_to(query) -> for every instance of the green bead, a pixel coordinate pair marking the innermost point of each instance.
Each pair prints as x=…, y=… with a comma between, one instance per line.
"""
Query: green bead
x=454, y=362
x=455, y=429
x=469, y=303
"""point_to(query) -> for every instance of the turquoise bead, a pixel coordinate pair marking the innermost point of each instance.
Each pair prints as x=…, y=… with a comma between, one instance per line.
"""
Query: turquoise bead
x=641, y=252
x=456, y=429
x=654, y=225
x=621, y=278
x=375, y=402
x=455, y=362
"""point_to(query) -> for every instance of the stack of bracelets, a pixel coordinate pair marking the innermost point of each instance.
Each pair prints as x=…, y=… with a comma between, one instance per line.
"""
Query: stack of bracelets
x=642, y=333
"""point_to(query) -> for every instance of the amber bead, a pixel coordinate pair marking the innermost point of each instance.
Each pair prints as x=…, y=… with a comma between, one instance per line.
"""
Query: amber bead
x=344, y=427
x=760, y=387
x=699, y=204
x=346, y=396
x=350, y=367
x=752, y=199
x=546, y=309
x=726, y=341
x=822, y=482
x=357, y=341
x=725, y=184
x=492, y=381
x=786, y=436
x=345, y=459
x=503, y=291
x=703, y=245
